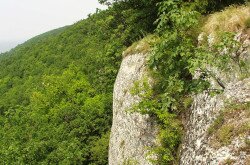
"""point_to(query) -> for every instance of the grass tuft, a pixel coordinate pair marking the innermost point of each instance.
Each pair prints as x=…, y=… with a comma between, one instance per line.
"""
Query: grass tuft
x=230, y=124
x=233, y=18
x=143, y=46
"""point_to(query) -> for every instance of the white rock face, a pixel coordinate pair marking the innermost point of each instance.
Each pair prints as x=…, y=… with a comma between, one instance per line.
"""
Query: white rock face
x=196, y=148
x=132, y=133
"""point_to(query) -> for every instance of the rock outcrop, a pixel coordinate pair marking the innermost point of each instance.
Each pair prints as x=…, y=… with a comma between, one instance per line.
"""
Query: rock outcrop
x=132, y=134
x=199, y=147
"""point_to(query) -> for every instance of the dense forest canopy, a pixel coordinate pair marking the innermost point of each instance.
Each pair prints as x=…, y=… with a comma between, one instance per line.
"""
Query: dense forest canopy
x=56, y=89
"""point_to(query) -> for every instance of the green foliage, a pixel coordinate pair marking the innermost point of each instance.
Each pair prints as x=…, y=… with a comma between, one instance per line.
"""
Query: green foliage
x=56, y=89
x=187, y=102
x=136, y=17
x=61, y=124
x=170, y=68
x=169, y=125
x=222, y=54
x=99, y=150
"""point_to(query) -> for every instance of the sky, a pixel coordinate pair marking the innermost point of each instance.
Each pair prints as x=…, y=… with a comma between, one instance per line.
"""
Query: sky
x=21, y=20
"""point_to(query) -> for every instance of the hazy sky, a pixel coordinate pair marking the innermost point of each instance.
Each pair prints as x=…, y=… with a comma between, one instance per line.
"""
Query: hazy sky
x=23, y=19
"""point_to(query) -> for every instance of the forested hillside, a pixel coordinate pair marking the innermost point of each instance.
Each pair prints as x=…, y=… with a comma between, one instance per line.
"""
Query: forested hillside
x=56, y=89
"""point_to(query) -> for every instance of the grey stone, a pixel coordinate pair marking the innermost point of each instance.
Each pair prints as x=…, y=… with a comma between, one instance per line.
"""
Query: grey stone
x=132, y=134
x=196, y=147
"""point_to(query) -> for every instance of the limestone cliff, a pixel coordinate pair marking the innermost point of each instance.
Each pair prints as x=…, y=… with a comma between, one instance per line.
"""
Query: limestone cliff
x=217, y=127
x=132, y=134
